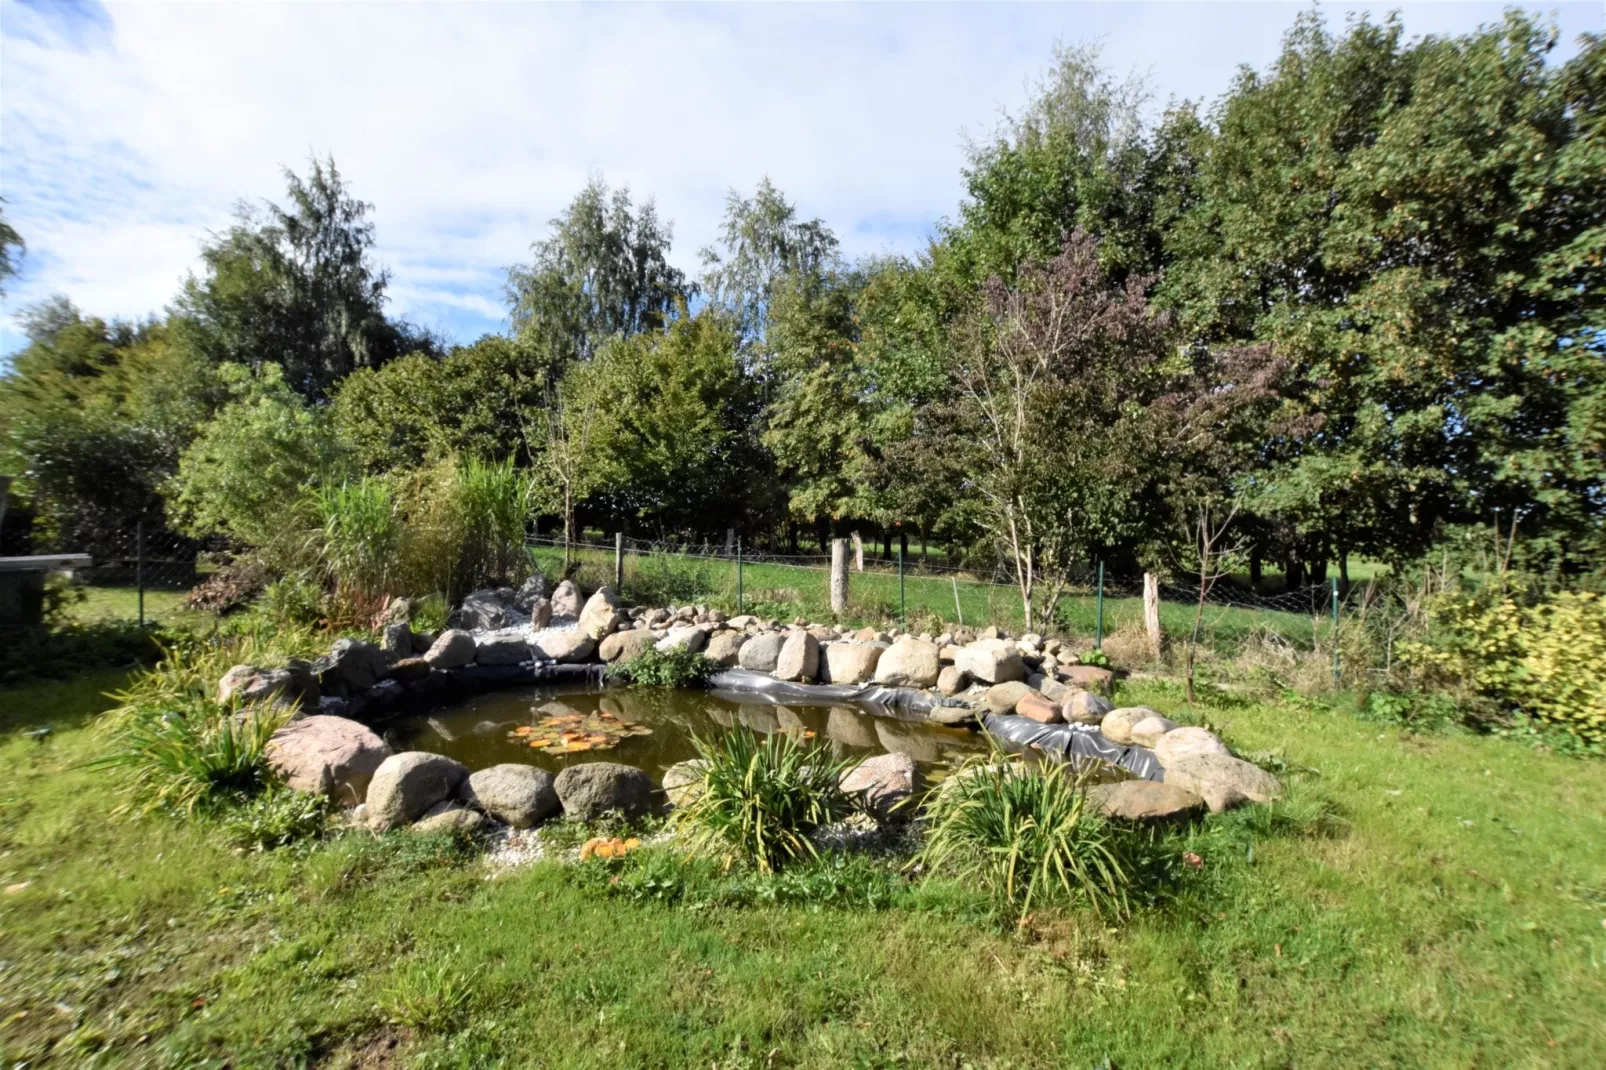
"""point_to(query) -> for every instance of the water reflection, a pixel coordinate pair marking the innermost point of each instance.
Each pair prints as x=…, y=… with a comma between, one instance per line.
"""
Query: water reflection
x=479, y=732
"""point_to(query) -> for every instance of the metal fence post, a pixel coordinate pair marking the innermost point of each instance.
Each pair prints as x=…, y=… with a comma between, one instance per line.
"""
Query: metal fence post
x=1335, y=632
x=139, y=568
x=903, y=616
x=739, y=609
x=618, y=561
x=1098, y=634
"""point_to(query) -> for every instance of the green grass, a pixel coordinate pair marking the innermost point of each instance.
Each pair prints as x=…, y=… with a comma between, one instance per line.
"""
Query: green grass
x=122, y=603
x=1447, y=911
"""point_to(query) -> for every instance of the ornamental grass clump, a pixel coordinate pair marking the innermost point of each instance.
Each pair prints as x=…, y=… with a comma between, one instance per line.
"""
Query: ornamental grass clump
x=1028, y=834
x=186, y=758
x=760, y=798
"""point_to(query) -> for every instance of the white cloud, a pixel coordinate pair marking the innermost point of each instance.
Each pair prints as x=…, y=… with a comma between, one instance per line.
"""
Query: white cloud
x=471, y=125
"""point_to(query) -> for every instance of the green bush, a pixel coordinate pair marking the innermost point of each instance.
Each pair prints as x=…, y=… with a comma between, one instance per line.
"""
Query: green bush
x=668, y=579
x=277, y=817
x=665, y=668
x=464, y=527
x=359, y=536
x=762, y=797
x=189, y=758
x=1027, y=834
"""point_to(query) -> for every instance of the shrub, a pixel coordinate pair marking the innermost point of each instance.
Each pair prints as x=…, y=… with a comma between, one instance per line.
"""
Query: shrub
x=1547, y=660
x=465, y=526
x=278, y=817
x=231, y=587
x=1026, y=834
x=762, y=797
x=666, y=668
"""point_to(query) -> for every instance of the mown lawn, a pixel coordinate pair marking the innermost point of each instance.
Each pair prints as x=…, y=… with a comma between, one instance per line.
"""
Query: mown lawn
x=1451, y=913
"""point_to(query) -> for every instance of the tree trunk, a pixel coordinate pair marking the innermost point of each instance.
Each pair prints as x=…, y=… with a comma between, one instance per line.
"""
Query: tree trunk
x=903, y=546
x=791, y=537
x=823, y=530
x=886, y=544
x=839, y=576
x=1151, y=613
x=1254, y=568
x=1293, y=572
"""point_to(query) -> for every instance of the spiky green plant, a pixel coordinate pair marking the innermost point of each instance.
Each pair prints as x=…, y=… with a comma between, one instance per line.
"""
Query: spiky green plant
x=188, y=757
x=359, y=534
x=1027, y=833
x=761, y=797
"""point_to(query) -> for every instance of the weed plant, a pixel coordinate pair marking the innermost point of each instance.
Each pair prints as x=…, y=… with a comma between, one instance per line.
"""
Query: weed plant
x=665, y=668
x=1028, y=834
x=762, y=797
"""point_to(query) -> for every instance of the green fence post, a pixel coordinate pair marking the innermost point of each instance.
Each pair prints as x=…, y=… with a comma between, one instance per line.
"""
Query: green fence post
x=139, y=568
x=1098, y=634
x=1335, y=632
x=739, y=609
x=903, y=617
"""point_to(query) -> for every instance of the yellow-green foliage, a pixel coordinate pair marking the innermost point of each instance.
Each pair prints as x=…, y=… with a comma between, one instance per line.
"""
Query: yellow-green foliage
x=1547, y=660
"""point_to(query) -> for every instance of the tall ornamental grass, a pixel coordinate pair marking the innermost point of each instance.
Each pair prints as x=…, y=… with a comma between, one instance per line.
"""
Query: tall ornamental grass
x=1028, y=834
x=465, y=526
x=359, y=537
x=761, y=797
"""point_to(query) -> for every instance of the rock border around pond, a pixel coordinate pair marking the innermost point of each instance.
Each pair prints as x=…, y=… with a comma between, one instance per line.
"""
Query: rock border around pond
x=505, y=637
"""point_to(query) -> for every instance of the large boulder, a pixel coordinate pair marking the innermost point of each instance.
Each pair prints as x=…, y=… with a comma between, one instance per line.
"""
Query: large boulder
x=350, y=664
x=684, y=637
x=992, y=661
x=518, y=795
x=799, y=658
x=329, y=756
x=1090, y=677
x=1035, y=707
x=454, y=649
x=1223, y=781
x=1003, y=698
x=505, y=649
x=1084, y=707
x=886, y=783
x=489, y=610
x=851, y=663
x=1189, y=742
x=621, y=648
x=683, y=781
x=761, y=652
x=448, y=816
x=1145, y=800
x=406, y=785
x=724, y=647
x=570, y=644
x=1117, y=725
x=531, y=591
x=590, y=790
x=910, y=663
x=566, y=601
x=602, y=615
x=396, y=641
x=1147, y=732
x=248, y=684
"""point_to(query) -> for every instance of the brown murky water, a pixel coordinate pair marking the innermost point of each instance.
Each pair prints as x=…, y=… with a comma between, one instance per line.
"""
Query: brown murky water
x=502, y=726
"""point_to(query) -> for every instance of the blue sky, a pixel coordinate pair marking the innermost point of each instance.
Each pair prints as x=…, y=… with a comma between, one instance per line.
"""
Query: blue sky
x=127, y=132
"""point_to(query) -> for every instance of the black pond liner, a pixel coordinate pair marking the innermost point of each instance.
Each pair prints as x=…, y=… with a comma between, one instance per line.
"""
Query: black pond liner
x=899, y=703
x=1065, y=741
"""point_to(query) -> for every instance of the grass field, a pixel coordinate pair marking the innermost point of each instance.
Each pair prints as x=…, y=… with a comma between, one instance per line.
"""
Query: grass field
x=162, y=606
x=1449, y=910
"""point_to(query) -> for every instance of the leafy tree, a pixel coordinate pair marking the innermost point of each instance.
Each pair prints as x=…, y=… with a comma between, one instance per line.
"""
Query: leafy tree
x=603, y=271
x=9, y=240
x=293, y=286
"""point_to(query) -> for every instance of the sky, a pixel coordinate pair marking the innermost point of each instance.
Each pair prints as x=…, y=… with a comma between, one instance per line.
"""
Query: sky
x=128, y=133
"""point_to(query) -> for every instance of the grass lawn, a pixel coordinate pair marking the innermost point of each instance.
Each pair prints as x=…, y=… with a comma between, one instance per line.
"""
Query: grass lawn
x=1453, y=914
x=164, y=607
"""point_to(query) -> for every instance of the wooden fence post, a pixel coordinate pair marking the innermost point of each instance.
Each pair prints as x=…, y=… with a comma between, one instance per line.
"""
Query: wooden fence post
x=839, y=576
x=1151, y=612
x=858, y=552
x=618, y=562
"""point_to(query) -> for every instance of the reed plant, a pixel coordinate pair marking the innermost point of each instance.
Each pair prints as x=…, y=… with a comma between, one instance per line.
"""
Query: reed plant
x=762, y=797
x=1028, y=834
x=359, y=536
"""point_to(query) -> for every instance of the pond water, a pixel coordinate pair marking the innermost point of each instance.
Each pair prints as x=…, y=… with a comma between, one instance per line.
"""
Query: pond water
x=651, y=728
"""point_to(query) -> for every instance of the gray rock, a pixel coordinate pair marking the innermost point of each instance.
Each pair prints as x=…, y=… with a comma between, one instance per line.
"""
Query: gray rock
x=567, y=601
x=1147, y=732
x=910, y=663
x=952, y=680
x=1188, y=742
x=992, y=661
x=1117, y=725
x=951, y=716
x=683, y=781
x=422, y=641
x=1002, y=698
x=350, y=663
x=724, y=647
x=594, y=788
x=406, y=785
x=396, y=641
x=799, y=658
x=248, y=685
x=1223, y=781
x=1090, y=677
x=518, y=795
x=886, y=783
x=601, y=615
x=501, y=649
x=621, y=648
x=1145, y=800
x=454, y=649
x=1084, y=707
x=329, y=756
x=488, y=610
x=683, y=638
x=762, y=652
x=568, y=645
x=851, y=663
x=448, y=817
x=1049, y=687
x=531, y=591
x=540, y=613
x=409, y=670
